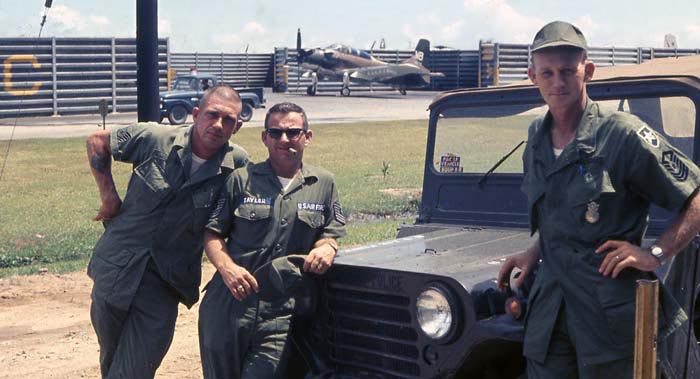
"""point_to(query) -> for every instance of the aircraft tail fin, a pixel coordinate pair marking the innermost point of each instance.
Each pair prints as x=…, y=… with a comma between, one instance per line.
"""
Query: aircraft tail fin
x=421, y=53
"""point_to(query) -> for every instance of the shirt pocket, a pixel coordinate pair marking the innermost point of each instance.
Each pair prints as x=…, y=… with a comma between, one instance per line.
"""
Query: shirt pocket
x=202, y=202
x=591, y=200
x=251, y=224
x=149, y=186
x=311, y=219
x=617, y=299
x=306, y=229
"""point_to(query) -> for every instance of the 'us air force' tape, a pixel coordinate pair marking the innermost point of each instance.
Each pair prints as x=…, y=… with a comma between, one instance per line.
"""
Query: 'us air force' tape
x=674, y=165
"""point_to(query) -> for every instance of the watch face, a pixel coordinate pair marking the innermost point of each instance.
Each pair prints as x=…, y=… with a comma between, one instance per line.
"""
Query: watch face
x=657, y=251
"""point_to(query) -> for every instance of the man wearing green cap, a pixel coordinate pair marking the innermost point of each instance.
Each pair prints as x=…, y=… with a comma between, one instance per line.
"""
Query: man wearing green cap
x=149, y=258
x=590, y=176
x=265, y=211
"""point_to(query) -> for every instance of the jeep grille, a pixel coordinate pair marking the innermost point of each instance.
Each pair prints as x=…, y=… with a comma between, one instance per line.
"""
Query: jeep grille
x=370, y=334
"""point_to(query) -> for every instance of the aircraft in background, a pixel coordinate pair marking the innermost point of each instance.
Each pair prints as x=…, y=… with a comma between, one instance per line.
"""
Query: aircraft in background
x=341, y=62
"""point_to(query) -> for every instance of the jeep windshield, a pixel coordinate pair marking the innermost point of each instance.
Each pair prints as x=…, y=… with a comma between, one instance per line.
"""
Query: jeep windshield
x=473, y=132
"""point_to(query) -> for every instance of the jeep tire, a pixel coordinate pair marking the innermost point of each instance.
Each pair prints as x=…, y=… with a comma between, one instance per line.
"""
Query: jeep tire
x=246, y=112
x=178, y=115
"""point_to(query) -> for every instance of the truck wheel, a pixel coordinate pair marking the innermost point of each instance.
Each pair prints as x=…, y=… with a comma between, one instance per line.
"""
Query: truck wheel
x=246, y=112
x=345, y=91
x=178, y=115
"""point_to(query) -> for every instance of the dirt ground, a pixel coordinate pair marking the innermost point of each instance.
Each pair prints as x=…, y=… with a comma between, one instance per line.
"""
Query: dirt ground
x=45, y=330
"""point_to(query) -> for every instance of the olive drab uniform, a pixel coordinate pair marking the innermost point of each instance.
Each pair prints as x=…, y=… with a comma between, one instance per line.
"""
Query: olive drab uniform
x=598, y=189
x=149, y=257
x=261, y=221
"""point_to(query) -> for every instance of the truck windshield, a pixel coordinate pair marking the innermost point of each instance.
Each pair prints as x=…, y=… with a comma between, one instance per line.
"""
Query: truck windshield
x=473, y=140
x=183, y=84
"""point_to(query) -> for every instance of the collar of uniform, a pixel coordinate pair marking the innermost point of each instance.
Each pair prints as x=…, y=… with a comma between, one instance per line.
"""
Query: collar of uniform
x=227, y=161
x=183, y=145
x=585, y=139
x=308, y=173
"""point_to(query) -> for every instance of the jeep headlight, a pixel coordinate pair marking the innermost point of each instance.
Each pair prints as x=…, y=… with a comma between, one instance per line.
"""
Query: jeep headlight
x=434, y=312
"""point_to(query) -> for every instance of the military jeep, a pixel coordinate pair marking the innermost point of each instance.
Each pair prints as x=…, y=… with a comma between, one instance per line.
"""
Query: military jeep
x=426, y=305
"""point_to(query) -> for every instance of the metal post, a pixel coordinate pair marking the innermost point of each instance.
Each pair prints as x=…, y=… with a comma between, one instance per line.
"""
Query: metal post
x=54, y=76
x=646, y=325
x=613, y=55
x=147, y=60
x=114, y=75
x=478, y=65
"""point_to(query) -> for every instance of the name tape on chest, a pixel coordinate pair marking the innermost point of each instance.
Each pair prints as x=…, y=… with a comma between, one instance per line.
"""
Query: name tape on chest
x=674, y=165
x=311, y=207
x=649, y=136
x=123, y=136
x=257, y=200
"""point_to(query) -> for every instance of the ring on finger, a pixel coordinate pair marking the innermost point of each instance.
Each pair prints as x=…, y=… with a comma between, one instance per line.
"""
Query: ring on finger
x=617, y=257
x=240, y=288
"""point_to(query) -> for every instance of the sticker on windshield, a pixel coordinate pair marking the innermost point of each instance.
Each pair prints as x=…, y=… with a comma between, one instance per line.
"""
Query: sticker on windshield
x=450, y=163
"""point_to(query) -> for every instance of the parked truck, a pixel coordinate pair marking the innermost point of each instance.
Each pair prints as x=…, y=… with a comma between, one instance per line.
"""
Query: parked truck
x=186, y=90
x=426, y=304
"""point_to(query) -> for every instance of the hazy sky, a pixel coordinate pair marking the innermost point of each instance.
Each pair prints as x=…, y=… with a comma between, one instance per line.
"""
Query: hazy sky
x=230, y=26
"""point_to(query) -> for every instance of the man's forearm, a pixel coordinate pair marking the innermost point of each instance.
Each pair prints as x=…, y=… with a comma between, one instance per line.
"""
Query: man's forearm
x=215, y=249
x=683, y=228
x=100, y=158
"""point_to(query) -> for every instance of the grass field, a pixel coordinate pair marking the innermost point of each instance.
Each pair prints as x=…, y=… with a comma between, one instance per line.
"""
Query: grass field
x=48, y=195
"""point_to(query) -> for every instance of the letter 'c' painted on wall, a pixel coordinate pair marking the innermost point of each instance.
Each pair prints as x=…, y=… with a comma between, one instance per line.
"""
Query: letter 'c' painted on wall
x=8, y=74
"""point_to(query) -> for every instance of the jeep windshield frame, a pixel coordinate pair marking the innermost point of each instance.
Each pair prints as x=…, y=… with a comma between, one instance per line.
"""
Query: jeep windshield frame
x=451, y=190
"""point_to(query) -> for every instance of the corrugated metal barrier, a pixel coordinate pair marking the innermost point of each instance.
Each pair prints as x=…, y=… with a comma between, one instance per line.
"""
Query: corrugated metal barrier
x=57, y=76
x=237, y=70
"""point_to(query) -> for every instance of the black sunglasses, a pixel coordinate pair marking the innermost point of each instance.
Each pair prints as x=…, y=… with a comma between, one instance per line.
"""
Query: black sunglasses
x=292, y=134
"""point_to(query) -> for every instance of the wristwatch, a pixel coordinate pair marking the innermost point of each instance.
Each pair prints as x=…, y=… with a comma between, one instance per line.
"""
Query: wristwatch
x=333, y=245
x=657, y=252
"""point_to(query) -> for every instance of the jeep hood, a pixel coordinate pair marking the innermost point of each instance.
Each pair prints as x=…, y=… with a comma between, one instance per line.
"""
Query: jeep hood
x=468, y=255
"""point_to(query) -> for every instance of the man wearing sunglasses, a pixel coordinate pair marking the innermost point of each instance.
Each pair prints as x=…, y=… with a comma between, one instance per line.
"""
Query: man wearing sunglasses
x=265, y=211
x=149, y=258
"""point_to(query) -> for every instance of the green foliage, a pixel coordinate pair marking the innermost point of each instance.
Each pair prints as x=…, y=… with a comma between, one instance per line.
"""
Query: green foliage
x=48, y=195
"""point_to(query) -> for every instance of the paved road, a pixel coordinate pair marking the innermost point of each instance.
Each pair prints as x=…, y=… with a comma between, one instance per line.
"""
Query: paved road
x=326, y=108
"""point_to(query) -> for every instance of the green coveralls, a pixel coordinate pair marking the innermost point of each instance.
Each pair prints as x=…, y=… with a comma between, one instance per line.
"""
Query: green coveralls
x=149, y=257
x=261, y=221
x=600, y=188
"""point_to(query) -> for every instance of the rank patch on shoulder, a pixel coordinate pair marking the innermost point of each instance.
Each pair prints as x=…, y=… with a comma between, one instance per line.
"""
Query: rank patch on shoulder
x=217, y=209
x=123, y=136
x=648, y=135
x=257, y=200
x=338, y=213
x=673, y=164
x=311, y=207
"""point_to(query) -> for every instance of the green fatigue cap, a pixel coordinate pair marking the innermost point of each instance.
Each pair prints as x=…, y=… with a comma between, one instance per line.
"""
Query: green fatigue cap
x=559, y=33
x=281, y=277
